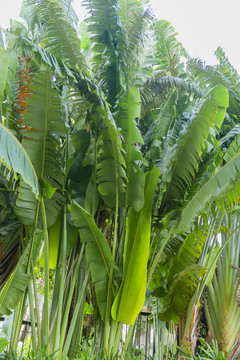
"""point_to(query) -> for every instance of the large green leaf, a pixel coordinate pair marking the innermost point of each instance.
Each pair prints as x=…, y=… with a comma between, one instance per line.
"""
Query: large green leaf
x=156, y=88
x=15, y=158
x=59, y=38
x=111, y=175
x=182, y=281
x=185, y=154
x=224, y=185
x=181, y=291
x=129, y=112
x=98, y=253
x=131, y=296
x=108, y=45
x=136, y=26
x=41, y=130
x=160, y=126
x=168, y=48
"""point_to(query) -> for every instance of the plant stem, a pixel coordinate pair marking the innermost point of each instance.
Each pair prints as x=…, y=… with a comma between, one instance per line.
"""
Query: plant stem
x=61, y=285
x=37, y=307
x=33, y=328
x=75, y=315
x=46, y=280
x=69, y=299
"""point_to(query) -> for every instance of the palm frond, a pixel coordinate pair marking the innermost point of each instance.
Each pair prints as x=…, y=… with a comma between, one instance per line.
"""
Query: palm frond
x=185, y=261
x=160, y=126
x=68, y=11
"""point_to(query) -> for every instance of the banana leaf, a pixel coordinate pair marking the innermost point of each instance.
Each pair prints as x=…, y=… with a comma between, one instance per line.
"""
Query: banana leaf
x=131, y=296
x=15, y=158
x=98, y=253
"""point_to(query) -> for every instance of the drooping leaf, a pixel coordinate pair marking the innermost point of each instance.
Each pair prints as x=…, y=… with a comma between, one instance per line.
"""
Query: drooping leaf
x=15, y=158
x=98, y=253
x=185, y=154
x=181, y=291
x=189, y=252
x=156, y=88
x=182, y=281
x=224, y=185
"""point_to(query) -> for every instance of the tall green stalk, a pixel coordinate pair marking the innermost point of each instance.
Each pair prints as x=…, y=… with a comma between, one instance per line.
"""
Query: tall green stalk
x=69, y=299
x=39, y=338
x=61, y=285
x=75, y=315
x=32, y=316
x=46, y=280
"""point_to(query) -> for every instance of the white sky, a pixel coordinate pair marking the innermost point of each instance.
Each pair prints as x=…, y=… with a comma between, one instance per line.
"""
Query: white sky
x=202, y=25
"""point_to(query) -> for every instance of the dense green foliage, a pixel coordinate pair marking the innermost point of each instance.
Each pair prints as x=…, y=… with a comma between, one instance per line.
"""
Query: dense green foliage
x=119, y=163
